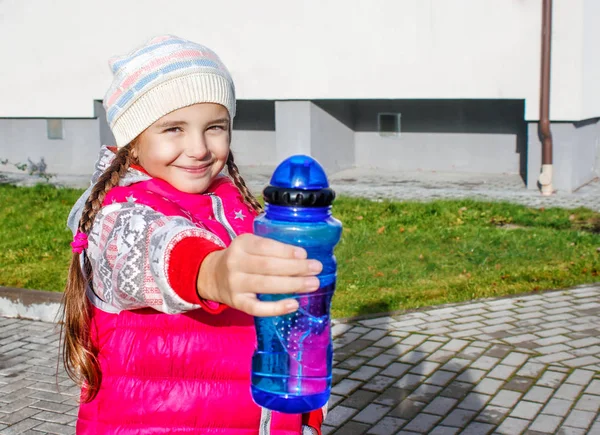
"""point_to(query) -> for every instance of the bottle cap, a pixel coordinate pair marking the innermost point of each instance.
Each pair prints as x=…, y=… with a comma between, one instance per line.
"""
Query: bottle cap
x=299, y=181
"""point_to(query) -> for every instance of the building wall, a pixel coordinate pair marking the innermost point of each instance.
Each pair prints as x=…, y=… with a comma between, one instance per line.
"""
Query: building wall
x=307, y=50
x=440, y=135
x=21, y=139
x=575, y=154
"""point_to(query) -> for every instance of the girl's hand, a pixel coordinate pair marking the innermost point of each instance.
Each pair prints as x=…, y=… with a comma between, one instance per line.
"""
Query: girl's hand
x=251, y=265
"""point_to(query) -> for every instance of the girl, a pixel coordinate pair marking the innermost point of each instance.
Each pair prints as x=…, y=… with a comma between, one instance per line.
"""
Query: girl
x=158, y=307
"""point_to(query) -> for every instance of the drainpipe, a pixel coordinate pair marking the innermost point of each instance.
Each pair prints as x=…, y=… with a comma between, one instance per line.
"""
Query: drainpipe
x=544, y=126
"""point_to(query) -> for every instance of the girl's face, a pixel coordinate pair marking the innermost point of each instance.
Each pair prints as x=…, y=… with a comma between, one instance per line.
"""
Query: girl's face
x=186, y=148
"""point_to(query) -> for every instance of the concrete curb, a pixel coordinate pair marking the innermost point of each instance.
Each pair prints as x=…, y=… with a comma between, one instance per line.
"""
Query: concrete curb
x=45, y=306
x=30, y=304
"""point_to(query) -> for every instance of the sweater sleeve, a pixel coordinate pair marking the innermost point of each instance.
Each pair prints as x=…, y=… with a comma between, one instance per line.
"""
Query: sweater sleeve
x=131, y=249
x=186, y=258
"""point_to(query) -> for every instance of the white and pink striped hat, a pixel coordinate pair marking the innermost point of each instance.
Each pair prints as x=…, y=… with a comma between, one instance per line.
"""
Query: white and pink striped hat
x=165, y=74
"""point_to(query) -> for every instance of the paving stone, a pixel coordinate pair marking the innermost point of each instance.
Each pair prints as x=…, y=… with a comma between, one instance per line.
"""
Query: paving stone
x=409, y=381
x=488, y=386
x=551, y=379
x=568, y=391
x=359, y=399
x=345, y=387
x=21, y=427
x=425, y=368
x=594, y=387
x=364, y=373
x=371, y=414
x=565, y=430
x=458, y=418
x=440, y=378
x=352, y=428
x=580, y=362
x=422, y=423
x=456, y=364
x=444, y=430
x=473, y=376
x=538, y=394
x=580, y=377
x=493, y=414
x=513, y=426
x=580, y=419
x=526, y=410
x=338, y=415
x=425, y=393
x=485, y=363
x=557, y=407
x=407, y=409
x=518, y=383
x=477, y=428
x=502, y=372
x=440, y=406
x=474, y=401
x=457, y=390
x=506, y=398
x=379, y=383
x=546, y=423
x=387, y=426
x=392, y=396
x=531, y=370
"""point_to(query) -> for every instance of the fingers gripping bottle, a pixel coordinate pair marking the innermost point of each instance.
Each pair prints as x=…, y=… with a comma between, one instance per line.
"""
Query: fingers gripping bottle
x=291, y=367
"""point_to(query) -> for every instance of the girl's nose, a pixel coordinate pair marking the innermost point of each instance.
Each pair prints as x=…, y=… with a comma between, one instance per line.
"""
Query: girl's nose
x=196, y=147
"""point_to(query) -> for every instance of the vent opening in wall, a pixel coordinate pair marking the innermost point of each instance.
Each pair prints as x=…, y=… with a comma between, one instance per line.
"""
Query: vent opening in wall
x=55, y=129
x=389, y=124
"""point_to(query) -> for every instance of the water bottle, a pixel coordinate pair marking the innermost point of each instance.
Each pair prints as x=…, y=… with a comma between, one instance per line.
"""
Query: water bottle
x=291, y=367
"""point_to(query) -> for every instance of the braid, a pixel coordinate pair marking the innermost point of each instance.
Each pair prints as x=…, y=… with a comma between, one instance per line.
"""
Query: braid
x=78, y=352
x=234, y=173
x=109, y=179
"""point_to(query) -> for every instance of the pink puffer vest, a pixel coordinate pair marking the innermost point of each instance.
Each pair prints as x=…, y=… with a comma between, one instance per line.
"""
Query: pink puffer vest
x=185, y=373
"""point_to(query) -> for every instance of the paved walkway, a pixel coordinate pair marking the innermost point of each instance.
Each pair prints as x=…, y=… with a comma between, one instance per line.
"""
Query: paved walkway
x=529, y=365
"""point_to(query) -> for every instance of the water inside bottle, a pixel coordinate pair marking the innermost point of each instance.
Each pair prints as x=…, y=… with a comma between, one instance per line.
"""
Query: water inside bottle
x=294, y=351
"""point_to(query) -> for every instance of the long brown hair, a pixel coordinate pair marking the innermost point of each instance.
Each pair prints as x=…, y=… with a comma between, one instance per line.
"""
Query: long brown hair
x=234, y=173
x=79, y=355
x=78, y=352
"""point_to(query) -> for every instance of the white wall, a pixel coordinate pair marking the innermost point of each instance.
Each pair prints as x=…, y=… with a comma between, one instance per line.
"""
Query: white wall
x=254, y=147
x=54, y=53
x=591, y=60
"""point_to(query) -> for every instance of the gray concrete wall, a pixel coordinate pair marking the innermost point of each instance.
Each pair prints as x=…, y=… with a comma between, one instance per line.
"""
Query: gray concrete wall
x=254, y=148
x=332, y=143
x=292, y=122
x=575, y=154
x=302, y=127
x=460, y=152
x=481, y=136
x=106, y=136
x=75, y=154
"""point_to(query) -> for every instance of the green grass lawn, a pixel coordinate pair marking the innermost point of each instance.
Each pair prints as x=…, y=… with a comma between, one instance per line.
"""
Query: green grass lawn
x=392, y=255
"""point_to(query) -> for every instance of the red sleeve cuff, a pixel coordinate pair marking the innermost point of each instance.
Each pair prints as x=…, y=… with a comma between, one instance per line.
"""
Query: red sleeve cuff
x=313, y=419
x=186, y=258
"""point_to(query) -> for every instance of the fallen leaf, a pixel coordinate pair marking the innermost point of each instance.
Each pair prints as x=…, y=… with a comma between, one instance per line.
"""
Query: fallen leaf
x=359, y=218
x=402, y=230
x=379, y=274
x=421, y=256
x=572, y=217
x=381, y=230
x=498, y=266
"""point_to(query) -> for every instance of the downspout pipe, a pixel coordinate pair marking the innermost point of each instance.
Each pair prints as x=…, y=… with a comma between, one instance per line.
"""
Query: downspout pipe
x=545, y=178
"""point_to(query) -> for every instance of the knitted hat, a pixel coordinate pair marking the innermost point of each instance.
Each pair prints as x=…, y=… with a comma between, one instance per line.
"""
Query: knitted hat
x=164, y=75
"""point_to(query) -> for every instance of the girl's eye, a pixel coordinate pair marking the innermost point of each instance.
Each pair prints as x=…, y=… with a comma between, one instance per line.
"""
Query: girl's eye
x=217, y=128
x=173, y=130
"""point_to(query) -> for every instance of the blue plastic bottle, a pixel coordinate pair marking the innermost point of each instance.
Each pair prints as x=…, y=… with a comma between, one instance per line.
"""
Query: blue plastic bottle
x=291, y=368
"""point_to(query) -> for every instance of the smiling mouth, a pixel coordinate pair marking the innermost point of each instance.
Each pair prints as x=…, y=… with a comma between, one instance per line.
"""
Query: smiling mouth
x=196, y=169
